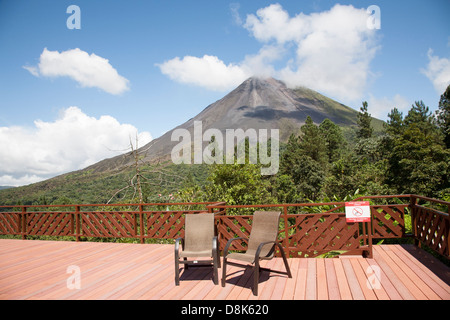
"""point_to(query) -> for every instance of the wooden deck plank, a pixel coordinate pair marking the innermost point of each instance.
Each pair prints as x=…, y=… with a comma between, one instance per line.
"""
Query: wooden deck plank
x=385, y=282
x=405, y=274
x=414, y=273
x=300, y=282
x=47, y=273
x=439, y=271
x=344, y=288
x=361, y=276
x=281, y=281
x=374, y=278
x=391, y=275
x=289, y=290
x=266, y=288
x=353, y=283
x=435, y=283
x=311, y=281
x=31, y=269
x=332, y=281
x=322, y=286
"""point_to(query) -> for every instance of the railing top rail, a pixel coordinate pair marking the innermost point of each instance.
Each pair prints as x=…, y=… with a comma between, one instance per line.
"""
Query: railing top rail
x=444, y=214
x=110, y=205
x=406, y=196
x=278, y=205
x=432, y=200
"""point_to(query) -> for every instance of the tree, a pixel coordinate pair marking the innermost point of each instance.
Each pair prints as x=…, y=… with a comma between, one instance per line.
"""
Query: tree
x=334, y=140
x=143, y=176
x=309, y=176
x=237, y=184
x=419, y=161
x=365, y=130
x=290, y=155
x=443, y=116
x=420, y=115
x=395, y=122
x=285, y=189
x=312, y=142
x=304, y=161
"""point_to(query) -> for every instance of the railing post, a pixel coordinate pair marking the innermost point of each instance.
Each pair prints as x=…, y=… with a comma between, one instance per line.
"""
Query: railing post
x=414, y=217
x=447, y=227
x=369, y=238
x=24, y=223
x=286, y=232
x=141, y=223
x=77, y=223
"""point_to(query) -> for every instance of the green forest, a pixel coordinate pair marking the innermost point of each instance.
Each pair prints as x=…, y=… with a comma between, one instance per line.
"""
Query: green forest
x=411, y=155
x=322, y=162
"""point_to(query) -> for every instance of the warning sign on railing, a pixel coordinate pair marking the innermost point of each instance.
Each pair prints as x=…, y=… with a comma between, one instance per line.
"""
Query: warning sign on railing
x=357, y=211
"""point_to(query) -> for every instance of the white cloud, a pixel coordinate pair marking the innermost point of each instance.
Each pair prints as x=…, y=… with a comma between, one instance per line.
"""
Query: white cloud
x=273, y=22
x=33, y=70
x=71, y=142
x=333, y=48
x=88, y=70
x=380, y=107
x=11, y=181
x=209, y=72
x=234, y=8
x=438, y=71
x=328, y=51
x=260, y=63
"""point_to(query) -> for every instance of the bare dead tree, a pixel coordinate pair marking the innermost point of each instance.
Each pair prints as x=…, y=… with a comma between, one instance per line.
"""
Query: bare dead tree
x=138, y=179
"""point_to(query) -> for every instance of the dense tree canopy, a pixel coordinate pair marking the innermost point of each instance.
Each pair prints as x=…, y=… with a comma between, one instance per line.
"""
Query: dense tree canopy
x=411, y=155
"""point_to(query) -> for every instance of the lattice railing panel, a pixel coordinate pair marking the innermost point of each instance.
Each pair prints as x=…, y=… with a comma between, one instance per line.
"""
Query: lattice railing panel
x=9, y=223
x=50, y=223
x=166, y=224
x=433, y=229
x=108, y=224
x=314, y=234
x=234, y=227
x=388, y=221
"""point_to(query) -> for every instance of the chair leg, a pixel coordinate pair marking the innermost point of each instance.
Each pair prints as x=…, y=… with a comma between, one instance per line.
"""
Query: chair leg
x=218, y=259
x=217, y=251
x=224, y=271
x=255, y=278
x=286, y=265
x=177, y=272
x=215, y=266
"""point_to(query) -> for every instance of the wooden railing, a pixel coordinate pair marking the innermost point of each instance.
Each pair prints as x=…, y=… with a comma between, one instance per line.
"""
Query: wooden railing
x=306, y=229
x=99, y=220
x=302, y=233
x=431, y=226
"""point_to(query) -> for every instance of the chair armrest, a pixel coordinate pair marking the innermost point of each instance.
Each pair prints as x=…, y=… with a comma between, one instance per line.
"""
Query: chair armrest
x=215, y=244
x=225, y=251
x=261, y=245
x=177, y=245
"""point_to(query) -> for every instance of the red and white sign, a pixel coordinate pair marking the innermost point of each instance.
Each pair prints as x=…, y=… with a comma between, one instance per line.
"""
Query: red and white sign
x=357, y=211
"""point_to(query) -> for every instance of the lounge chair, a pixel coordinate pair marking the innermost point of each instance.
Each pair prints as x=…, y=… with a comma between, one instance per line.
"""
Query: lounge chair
x=199, y=240
x=261, y=246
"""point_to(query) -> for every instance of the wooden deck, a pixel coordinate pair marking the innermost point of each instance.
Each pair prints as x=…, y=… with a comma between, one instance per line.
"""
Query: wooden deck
x=31, y=269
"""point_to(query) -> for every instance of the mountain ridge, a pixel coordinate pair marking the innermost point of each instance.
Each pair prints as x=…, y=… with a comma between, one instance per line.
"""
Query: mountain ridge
x=257, y=103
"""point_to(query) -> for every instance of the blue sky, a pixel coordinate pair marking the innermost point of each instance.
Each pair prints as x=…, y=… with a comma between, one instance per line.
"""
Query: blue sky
x=71, y=97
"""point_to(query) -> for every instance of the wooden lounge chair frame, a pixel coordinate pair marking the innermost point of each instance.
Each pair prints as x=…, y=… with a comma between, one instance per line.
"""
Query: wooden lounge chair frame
x=200, y=240
x=261, y=246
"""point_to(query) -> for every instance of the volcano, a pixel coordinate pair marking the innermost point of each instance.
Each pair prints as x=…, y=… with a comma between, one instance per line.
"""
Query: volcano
x=255, y=104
